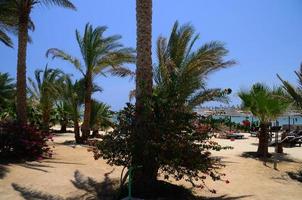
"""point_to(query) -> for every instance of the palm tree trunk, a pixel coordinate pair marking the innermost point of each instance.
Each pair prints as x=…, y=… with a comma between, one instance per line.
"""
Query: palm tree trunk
x=145, y=176
x=87, y=112
x=63, y=126
x=21, y=67
x=77, y=131
x=263, y=141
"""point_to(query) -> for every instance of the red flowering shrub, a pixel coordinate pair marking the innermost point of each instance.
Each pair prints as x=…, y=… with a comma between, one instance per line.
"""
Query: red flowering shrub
x=23, y=142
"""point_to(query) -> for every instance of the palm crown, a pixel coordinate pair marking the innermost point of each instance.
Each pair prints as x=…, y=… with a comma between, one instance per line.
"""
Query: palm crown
x=294, y=92
x=11, y=9
x=98, y=52
x=182, y=70
x=265, y=103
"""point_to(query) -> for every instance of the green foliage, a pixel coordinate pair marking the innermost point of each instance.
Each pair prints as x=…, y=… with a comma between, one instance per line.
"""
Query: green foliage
x=181, y=72
x=294, y=92
x=7, y=97
x=23, y=142
x=182, y=149
x=7, y=90
x=265, y=103
x=99, y=53
x=44, y=91
x=176, y=144
x=101, y=116
x=10, y=10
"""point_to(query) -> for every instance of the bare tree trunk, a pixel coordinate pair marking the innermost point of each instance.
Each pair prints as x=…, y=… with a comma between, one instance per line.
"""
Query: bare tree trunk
x=145, y=176
x=21, y=66
x=263, y=141
x=87, y=112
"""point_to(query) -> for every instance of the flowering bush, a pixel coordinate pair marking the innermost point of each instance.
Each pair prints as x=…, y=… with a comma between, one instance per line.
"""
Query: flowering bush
x=181, y=148
x=23, y=142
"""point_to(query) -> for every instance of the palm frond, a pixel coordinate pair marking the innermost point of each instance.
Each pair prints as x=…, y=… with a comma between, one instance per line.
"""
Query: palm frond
x=60, y=3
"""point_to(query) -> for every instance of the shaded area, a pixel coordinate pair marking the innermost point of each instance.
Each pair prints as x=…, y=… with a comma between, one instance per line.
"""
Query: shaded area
x=36, y=166
x=3, y=171
x=92, y=190
x=62, y=162
x=296, y=175
x=223, y=197
x=270, y=159
x=108, y=189
x=30, y=194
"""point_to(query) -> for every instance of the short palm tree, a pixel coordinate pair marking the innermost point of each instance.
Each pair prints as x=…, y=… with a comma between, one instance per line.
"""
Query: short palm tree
x=45, y=90
x=72, y=97
x=181, y=71
x=101, y=117
x=100, y=55
x=19, y=15
x=7, y=96
x=267, y=105
x=7, y=89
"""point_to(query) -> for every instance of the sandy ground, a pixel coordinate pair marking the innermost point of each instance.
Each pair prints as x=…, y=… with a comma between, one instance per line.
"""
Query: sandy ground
x=66, y=175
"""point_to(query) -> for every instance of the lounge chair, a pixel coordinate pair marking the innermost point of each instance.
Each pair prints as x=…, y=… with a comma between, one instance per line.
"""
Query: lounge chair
x=296, y=140
x=254, y=134
x=234, y=135
x=287, y=139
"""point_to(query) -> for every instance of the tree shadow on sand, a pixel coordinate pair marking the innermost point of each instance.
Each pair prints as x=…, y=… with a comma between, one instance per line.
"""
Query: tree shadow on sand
x=90, y=189
x=280, y=157
x=3, y=171
x=108, y=189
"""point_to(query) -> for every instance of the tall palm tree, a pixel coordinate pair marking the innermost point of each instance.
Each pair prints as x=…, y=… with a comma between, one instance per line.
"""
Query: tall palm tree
x=100, y=55
x=22, y=10
x=267, y=105
x=44, y=91
x=181, y=72
x=143, y=93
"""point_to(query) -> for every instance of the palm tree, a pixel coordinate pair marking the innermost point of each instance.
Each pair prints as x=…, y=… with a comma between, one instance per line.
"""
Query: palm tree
x=181, y=72
x=143, y=94
x=21, y=10
x=8, y=22
x=294, y=92
x=267, y=105
x=100, y=55
x=72, y=96
x=101, y=117
x=7, y=89
x=62, y=115
x=7, y=96
x=44, y=91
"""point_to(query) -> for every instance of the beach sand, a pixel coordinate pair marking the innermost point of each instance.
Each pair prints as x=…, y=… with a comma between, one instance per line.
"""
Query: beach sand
x=249, y=178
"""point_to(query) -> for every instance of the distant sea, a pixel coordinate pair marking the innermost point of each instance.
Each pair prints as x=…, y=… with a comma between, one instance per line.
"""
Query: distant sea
x=293, y=120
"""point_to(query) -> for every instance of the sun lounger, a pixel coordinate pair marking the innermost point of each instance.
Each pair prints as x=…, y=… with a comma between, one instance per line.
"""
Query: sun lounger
x=287, y=139
x=254, y=134
x=296, y=140
x=235, y=136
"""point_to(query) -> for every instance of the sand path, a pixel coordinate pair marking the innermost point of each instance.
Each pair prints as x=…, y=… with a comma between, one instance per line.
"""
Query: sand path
x=249, y=178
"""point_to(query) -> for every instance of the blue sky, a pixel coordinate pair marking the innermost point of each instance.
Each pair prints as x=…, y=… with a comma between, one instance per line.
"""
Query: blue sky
x=264, y=36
